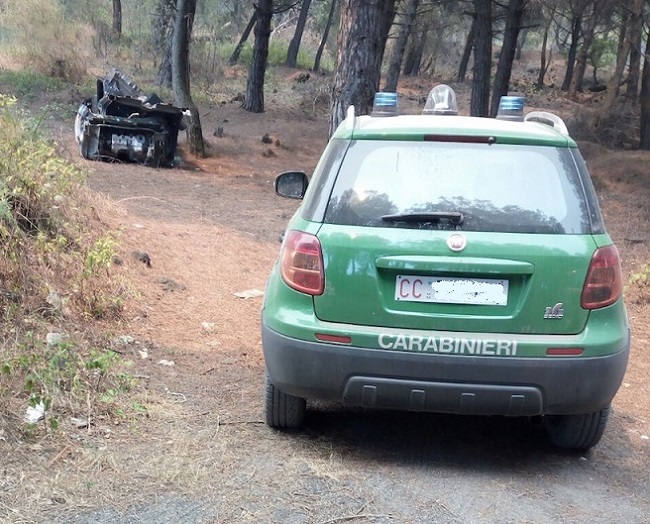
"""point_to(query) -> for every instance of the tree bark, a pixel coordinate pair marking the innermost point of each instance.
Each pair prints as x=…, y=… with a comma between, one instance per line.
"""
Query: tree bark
x=117, y=18
x=467, y=52
x=644, y=142
x=480, y=100
x=254, y=101
x=543, y=64
x=395, y=64
x=240, y=45
x=164, y=39
x=623, y=51
x=326, y=34
x=576, y=25
x=636, y=32
x=294, y=45
x=387, y=17
x=521, y=42
x=504, y=67
x=413, y=59
x=185, y=11
x=358, y=63
x=583, y=55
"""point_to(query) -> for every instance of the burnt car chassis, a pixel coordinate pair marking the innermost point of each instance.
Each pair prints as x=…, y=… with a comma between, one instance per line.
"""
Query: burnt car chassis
x=120, y=123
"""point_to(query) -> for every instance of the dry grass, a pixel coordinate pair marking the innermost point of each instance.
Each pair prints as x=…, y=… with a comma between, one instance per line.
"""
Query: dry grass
x=44, y=40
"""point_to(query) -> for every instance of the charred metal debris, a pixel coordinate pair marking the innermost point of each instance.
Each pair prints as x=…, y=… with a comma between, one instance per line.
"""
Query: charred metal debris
x=120, y=123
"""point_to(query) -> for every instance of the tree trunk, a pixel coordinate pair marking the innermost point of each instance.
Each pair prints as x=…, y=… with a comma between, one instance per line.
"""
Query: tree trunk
x=358, y=60
x=254, y=101
x=395, y=64
x=240, y=45
x=583, y=55
x=467, y=52
x=326, y=34
x=636, y=32
x=387, y=15
x=294, y=45
x=622, y=53
x=521, y=42
x=164, y=39
x=185, y=11
x=117, y=18
x=644, y=142
x=576, y=25
x=413, y=59
x=504, y=67
x=543, y=64
x=480, y=100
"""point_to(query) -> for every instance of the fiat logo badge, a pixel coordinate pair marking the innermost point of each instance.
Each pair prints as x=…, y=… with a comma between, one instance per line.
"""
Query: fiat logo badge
x=457, y=242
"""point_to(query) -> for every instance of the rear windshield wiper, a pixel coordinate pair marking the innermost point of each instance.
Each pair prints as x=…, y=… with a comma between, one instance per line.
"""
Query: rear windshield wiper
x=454, y=217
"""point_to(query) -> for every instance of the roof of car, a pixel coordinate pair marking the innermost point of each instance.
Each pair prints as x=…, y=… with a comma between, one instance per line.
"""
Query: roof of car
x=417, y=127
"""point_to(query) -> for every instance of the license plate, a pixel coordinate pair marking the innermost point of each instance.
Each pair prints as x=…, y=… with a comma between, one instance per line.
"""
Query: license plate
x=448, y=290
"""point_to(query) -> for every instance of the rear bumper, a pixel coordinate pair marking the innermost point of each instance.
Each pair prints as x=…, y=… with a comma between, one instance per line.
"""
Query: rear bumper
x=479, y=385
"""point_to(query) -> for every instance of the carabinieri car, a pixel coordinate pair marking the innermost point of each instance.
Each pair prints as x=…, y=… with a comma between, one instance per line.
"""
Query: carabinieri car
x=448, y=264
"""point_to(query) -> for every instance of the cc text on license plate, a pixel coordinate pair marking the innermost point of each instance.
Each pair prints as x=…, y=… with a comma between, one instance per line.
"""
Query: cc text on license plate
x=451, y=290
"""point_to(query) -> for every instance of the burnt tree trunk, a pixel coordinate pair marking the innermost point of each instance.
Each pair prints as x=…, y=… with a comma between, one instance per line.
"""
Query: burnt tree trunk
x=185, y=11
x=395, y=63
x=387, y=17
x=582, y=57
x=326, y=34
x=644, y=142
x=636, y=36
x=254, y=101
x=413, y=59
x=622, y=52
x=480, y=100
x=576, y=26
x=521, y=42
x=504, y=67
x=467, y=52
x=164, y=39
x=543, y=63
x=117, y=18
x=358, y=62
x=294, y=45
x=242, y=41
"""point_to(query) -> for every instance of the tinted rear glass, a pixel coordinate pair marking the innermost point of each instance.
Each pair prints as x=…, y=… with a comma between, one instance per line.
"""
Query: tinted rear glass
x=505, y=188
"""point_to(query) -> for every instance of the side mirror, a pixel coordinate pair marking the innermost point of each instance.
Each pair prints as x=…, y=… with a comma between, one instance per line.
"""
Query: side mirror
x=291, y=184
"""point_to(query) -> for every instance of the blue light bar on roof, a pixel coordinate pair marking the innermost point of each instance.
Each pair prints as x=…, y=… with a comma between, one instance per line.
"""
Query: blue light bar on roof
x=511, y=108
x=385, y=104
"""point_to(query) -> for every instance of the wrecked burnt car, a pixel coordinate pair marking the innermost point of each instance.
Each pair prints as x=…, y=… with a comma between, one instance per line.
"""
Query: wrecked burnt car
x=120, y=123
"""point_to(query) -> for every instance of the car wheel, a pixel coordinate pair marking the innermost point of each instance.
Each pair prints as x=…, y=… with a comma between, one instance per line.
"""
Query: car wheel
x=579, y=432
x=282, y=410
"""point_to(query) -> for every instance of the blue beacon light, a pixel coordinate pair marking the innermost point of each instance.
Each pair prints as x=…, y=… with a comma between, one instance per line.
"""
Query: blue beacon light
x=385, y=104
x=511, y=108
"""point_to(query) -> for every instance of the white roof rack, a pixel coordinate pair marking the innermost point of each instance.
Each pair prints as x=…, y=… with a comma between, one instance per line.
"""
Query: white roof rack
x=350, y=118
x=549, y=119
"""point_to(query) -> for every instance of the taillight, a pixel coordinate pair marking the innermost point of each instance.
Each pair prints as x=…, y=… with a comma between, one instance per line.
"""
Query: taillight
x=604, y=282
x=302, y=263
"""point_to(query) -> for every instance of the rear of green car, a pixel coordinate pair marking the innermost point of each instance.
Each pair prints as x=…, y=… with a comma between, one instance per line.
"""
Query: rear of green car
x=448, y=264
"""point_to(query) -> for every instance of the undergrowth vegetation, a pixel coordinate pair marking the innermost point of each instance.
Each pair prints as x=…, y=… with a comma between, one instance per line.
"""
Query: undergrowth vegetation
x=56, y=273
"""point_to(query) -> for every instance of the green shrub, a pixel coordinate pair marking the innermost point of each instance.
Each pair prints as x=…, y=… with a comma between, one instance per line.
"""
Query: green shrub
x=56, y=268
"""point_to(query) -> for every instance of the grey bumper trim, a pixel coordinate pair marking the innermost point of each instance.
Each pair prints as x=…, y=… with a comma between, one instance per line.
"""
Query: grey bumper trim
x=442, y=383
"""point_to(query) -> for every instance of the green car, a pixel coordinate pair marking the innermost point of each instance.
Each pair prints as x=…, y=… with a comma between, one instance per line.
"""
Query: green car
x=448, y=264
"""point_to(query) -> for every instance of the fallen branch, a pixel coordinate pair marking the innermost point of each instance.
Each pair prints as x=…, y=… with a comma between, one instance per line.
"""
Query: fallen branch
x=232, y=423
x=141, y=197
x=359, y=516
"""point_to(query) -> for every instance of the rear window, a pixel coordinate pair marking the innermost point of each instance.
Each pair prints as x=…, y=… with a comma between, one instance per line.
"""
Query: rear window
x=500, y=188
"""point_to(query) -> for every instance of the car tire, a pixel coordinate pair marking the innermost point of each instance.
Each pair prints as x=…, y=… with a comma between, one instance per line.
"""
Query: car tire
x=578, y=432
x=281, y=410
